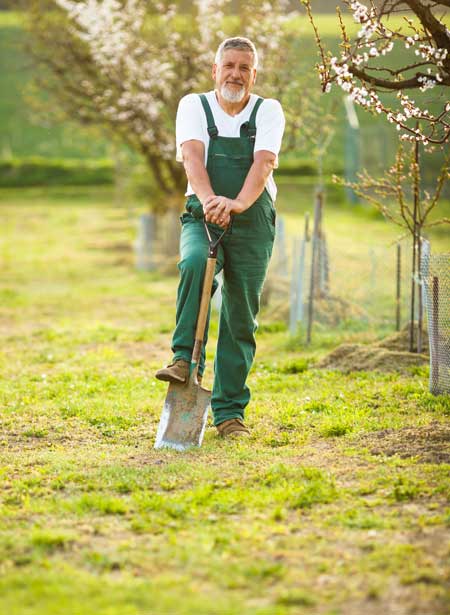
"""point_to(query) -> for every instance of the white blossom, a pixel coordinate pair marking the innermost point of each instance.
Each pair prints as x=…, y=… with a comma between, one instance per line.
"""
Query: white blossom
x=364, y=49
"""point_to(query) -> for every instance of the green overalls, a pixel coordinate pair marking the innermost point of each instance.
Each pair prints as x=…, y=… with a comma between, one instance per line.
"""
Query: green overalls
x=243, y=256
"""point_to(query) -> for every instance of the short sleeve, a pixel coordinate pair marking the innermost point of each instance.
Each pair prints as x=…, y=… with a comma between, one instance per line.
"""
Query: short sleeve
x=190, y=123
x=270, y=124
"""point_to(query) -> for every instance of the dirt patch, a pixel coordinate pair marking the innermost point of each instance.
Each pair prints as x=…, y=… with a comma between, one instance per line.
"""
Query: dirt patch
x=388, y=355
x=400, y=341
x=358, y=357
x=430, y=443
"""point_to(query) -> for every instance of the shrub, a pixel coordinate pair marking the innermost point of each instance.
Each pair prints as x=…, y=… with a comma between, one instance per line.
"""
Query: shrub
x=18, y=172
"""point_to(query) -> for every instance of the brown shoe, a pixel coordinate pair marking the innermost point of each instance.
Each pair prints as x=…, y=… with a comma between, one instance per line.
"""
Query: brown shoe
x=234, y=428
x=178, y=371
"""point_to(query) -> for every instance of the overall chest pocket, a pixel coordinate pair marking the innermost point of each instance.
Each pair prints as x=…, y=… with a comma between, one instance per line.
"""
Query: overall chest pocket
x=227, y=161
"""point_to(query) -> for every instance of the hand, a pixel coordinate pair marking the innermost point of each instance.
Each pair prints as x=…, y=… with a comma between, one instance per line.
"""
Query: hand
x=224, y=219
x=218, y=209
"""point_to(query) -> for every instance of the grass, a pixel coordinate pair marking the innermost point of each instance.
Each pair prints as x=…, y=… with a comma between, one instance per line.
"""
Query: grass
x=312, y=515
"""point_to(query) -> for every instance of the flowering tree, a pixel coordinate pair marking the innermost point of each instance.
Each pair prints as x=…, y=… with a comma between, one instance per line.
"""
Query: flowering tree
x=125, y=64
x=363, y=74
x=393, y=197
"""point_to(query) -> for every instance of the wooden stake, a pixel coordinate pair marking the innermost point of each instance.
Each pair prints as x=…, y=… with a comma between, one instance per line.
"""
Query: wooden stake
x=399, y=287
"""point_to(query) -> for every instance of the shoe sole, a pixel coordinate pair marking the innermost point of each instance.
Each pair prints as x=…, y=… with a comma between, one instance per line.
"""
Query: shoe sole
x=171, y=379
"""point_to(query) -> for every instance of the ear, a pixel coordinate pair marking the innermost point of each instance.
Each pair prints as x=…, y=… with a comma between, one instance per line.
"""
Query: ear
x=214, y=71
x=254, y=77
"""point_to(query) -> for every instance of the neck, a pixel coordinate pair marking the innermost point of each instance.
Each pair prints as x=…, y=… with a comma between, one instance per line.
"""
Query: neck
x=232, y=108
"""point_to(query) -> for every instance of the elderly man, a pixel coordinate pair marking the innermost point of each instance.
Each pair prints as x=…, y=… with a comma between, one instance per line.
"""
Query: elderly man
x=228, y=140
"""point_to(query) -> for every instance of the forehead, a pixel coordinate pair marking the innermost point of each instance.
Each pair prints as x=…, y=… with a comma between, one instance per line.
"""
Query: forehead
x=237, y=56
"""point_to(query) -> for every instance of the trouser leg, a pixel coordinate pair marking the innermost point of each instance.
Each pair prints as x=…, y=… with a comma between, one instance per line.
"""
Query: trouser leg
x=246, y=261
x=192, y=265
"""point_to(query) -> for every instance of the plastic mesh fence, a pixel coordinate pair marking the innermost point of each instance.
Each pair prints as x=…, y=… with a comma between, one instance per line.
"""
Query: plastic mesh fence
x=436, y=296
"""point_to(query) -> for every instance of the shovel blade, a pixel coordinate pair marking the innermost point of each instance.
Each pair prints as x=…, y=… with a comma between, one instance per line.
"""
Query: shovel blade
x=183, y=419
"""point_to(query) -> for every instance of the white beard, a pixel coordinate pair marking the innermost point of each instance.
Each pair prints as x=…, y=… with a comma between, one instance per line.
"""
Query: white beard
x=231, y=95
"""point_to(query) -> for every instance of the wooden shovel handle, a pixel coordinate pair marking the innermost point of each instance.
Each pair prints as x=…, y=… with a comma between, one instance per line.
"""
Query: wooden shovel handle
x=204, y=305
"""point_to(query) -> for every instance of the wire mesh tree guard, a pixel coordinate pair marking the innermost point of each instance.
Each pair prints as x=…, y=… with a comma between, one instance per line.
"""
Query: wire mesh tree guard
x=436, y=298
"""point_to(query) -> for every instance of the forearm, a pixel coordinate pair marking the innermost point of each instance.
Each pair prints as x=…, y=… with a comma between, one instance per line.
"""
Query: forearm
x=198, y=178
x=218, y=209
x=254, y=184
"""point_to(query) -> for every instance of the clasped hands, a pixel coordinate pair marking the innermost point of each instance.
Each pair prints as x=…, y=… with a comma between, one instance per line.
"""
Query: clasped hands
x=218, y=209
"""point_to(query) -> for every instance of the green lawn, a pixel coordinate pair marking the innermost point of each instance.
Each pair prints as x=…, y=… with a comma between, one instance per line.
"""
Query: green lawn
x=337, y=505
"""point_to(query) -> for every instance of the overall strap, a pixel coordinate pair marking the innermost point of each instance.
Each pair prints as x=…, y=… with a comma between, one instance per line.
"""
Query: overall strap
x=252, y=120
x=212, y=128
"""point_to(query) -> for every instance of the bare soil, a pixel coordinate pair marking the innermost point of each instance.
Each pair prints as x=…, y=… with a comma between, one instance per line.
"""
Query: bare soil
x=429, y=443
x=388, y=355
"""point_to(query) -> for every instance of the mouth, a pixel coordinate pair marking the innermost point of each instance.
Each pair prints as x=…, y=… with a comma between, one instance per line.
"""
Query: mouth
x=234, y=83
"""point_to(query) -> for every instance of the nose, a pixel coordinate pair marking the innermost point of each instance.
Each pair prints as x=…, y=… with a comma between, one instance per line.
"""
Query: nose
x=236, y=73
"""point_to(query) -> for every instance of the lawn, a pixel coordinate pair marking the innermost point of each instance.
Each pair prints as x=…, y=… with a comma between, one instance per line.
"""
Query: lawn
x=338, y=504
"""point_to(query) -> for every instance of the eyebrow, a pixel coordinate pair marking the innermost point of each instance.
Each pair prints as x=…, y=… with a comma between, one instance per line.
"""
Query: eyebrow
x=241, y=65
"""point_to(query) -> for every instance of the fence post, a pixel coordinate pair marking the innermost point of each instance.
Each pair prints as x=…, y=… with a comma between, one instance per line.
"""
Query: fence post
x=434, y=375
x=296, y=250
x=314, y=260
x=280, y=245
x=300, y=288
x=144, y=246
x=352, y=155
x=325, y=266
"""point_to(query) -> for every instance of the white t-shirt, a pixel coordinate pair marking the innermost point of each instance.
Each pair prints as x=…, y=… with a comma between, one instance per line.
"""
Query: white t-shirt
x=191, y=123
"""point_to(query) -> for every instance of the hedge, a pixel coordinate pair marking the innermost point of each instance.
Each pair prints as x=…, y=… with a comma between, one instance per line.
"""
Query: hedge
x=36, y=171
x=16, y=172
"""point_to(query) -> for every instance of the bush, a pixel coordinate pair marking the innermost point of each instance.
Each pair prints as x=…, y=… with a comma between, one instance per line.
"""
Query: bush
x=297, y=167
x=18, y=172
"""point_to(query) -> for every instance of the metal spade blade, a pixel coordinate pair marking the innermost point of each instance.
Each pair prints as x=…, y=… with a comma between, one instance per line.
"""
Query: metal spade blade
x=183, y=418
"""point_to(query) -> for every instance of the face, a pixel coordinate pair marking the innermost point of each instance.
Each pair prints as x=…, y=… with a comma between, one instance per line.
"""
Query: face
x=234, y=75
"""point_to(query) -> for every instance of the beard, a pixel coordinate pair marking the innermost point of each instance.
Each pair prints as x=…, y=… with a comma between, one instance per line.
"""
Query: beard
x=230, y=95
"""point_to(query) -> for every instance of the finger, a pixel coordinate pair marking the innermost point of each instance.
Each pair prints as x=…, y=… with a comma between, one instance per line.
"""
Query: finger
x=224, y=220
x=210, y=198
x=217, y=212
x=212, y=216
x=211, y=203
x=210, y=208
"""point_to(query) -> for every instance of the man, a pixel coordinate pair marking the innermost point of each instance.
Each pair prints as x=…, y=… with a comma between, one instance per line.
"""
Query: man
x=228, y=140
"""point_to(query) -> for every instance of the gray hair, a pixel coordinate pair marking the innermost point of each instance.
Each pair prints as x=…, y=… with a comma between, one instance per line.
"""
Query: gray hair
x=237, y=42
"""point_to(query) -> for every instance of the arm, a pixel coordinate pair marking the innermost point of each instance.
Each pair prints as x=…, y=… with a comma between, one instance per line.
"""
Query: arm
x=193, y=152
x=218, y=209
x=262, y=167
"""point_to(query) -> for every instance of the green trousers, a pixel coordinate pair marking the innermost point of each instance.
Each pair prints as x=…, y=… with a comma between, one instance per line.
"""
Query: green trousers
x=243, y=256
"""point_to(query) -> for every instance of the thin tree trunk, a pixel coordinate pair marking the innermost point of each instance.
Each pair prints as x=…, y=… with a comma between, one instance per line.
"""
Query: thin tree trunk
x=398, y=288
x=420, y=296
x=415, y=239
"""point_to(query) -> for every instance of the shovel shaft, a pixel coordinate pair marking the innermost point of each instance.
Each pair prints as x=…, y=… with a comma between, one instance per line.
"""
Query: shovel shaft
x=204, y=305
